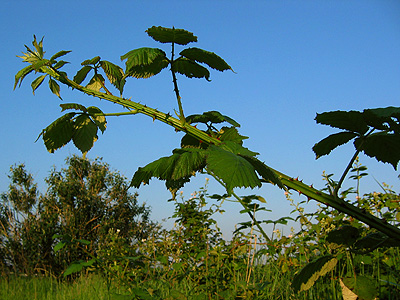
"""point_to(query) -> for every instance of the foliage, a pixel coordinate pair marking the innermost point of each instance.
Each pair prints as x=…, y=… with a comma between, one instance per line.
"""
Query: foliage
x=85, y=200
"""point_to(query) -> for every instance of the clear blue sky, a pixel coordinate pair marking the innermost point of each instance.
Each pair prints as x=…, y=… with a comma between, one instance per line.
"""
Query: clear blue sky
x=292, y=59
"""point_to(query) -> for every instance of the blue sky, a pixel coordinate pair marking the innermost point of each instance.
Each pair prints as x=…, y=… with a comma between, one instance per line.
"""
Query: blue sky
x=292, y=59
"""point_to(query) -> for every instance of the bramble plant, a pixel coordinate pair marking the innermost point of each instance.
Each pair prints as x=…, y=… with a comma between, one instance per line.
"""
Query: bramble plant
x=211, y=141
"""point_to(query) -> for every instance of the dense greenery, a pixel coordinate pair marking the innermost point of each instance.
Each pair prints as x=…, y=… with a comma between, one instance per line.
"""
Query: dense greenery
x=85, y=200
x=212, y=144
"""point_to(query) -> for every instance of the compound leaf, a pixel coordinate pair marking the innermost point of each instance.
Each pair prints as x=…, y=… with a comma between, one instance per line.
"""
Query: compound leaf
x=209, y=58
x=171, y=35
x=329, y=143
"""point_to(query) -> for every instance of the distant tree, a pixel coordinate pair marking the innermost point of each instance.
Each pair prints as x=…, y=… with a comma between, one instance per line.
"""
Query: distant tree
x=85, y=200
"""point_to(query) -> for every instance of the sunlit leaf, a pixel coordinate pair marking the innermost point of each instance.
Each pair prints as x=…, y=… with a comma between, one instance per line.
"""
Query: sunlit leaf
x=59, y=133
x=54, y=87
x=59, y=54
x=92, y=61
x=209, y=58
x=231, y=134
x=348, y=120
x=96, y=83
x=307, y=276
x=232, y=169
x=21, y=75
x=190, y=69
x=98, y=117
x=329, y=143
x=114, y=73
x=37, y=82
x=81, y=74
x=364, y=287
x=75, y=106
x=60, y=64
x=144, y=62
x=171, y=35
x=85, y=133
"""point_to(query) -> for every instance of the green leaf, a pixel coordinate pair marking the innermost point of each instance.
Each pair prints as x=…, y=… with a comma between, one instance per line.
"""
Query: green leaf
x=348, y=120
x=73, y=268
x=231, y=134
x=92, y=61
x=85, y=133
x=382, y=146
x=96, y=83
x=98, y=117
x=59, y=246
x=209, y=58
x=264, y=171
x=59, y=133
x=365, y=288
x=75, y=106
x=59, y=54
x=237, y=148
x=54, y=87
x=232, y=169
x=190, y=69
x=60, y=64
x=383, y=118
x=307, y=276
x=144, y=62
x=21, y=75
x=344, y=236
x=171, y=35
x=114, y=73
x=212, y=117
x=37, y=82
x=81, y=74
x=329, y=143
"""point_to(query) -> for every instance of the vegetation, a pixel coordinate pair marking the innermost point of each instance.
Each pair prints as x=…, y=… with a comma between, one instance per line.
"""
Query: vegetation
x=350, y=240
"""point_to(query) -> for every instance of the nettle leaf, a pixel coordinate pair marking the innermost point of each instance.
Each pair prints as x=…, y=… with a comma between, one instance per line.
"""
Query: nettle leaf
x=114, y=73
x=307, y=276
x=85, y=133
x=329, y=143
x=96, y=83
x=175, y=169
x=54, y=87
x=144, y=62
x=37, y=82
x=209, y=58
x=98, y=117
x=364, y=287
x=212, y=117
x=81, y=74
x=75, y=106
x=190, y=69
x=382, y=146
x=232, y=169
x=264, y=171
x=171, y=35
x=59, y=133
x=348, y=120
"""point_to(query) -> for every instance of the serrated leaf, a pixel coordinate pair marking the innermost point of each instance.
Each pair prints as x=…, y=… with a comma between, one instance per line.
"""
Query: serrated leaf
x=59, y=133
x=307, y=276
x=144, y=62
x=21, y=74
x=237, y=148
x=81, y=74
x=344, y=236
x=54, y=87
x=92, y=61
x=72, y=106
x=114, y=73
x=85, y=133
x=212, y=117
x=382, y=146
x=59, y=54
x=98, y=117
x=96, y=83
x=37, y=82
x=264, y=171
x=232, y=169
x=60, y=64
x=209, y=58
x=348, y=120
x=383, y=118
x=190, y=69
x=365, y=288
x=231, y=134
x=329, y=143
x=171, y=35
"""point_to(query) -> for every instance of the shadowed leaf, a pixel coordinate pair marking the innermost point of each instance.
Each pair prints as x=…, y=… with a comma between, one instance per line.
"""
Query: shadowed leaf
x=171, y=35
x=209, y=58
x=329, y=143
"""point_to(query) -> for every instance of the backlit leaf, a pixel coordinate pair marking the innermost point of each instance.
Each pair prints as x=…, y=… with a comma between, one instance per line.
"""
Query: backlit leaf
x=81, y=74
x=264, y=171
x=92, y=61
x=364, y=287
x=75, y=106
x=59, y=54
x=209, y=58
x=144, y=62
x=59, y=133
x=114, y=74
x=307, y=276
x=383, y=118
x=21, y=75
x=37, y=82
x=190, y=69
x=98, y=117
x=329, y=143
x=54, y=87
x=171, y=35
x=96, y=83
x=85, y=133
x=348, y=120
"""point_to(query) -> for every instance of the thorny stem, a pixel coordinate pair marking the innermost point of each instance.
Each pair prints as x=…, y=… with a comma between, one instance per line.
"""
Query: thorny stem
x=289, y=182
x=176, y=89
